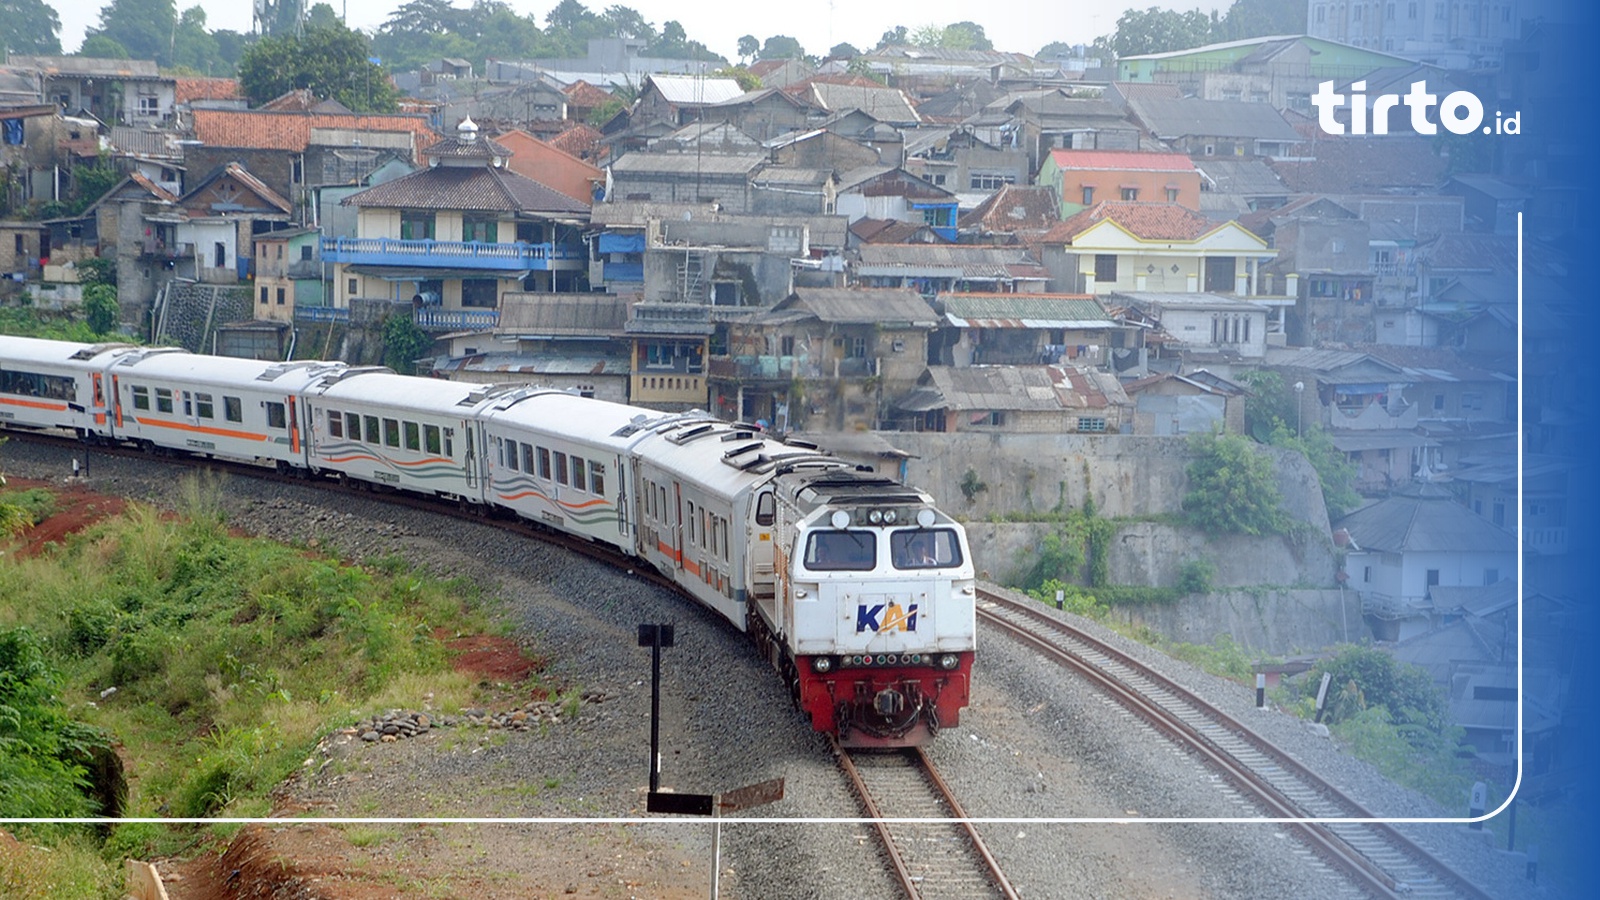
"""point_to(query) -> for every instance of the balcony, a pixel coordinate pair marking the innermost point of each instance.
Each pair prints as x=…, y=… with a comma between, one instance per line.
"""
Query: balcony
x=451, y=254
x=1551, y=541
x=435, y=319
x=163, y=250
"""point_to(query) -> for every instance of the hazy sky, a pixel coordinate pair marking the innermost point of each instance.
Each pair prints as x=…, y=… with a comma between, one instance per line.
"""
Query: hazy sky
x=1015, y=25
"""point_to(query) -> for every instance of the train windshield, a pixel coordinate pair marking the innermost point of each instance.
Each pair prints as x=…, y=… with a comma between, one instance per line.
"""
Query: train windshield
x=841, y=551
x=925, y=548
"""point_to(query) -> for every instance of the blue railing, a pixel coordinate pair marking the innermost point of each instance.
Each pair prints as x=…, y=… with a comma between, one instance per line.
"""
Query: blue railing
x=433, y=319
x=447, y=254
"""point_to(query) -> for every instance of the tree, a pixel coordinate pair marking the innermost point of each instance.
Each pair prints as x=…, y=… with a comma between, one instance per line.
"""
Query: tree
x=748, y=47
x=844, y=51
x=194, y=48
x=1271, y=417
x=748, y=80
x=100, y=308
x=1258, y=18
x=322, y=16
x=330, y=62
x=1232, y=487
x=894, y=37
x=625, y=22
x=30, y=27
x=1055, y=50
x=145, y=28
x=966, y=36
x=1157, y=30
x=404, y=343
x=781, y=46
x=98, y=46
x=1366, y=677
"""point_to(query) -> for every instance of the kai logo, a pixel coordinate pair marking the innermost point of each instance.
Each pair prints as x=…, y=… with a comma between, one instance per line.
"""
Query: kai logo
x=883, y=617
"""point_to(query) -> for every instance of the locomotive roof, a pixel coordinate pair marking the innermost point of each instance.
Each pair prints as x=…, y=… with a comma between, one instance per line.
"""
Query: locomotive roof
x=46, y=351
x=568, y=415
x=382, y=387
x=850, y=486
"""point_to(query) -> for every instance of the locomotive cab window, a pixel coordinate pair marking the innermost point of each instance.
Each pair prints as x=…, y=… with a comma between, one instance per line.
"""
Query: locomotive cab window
x=924, y=548
x=766, y=509
x=841, y=551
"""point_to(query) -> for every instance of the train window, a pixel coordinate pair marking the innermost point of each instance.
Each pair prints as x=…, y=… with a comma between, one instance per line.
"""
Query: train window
x=204, y=407
x=924, y=548
x=510, y=454
x=544, y=464
x=580, y=473
x=370, y=429
x=391, y=432
x=275, y=415
x=141, y=398
x=766, y=508
x=430, y=438
x=597, y=477
x=188, y=404
x=561, y=467
x=163, y=400
x=841, y=551
x=32, y=384
x=413, y=436
x=335, y=421
x=527, y=458
x=232, y=409
x=450, y=443
x=692, y=539
x=662, y=502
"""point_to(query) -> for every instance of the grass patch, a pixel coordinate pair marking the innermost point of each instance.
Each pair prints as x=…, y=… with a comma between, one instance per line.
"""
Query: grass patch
x=215, y=661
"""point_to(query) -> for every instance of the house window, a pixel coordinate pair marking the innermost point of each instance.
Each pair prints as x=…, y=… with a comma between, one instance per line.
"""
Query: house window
x=149, y=106
x=1471, y=400
x=305, y=252
x=416, y=226
x=858, y=348
x=1130, y=194
x=1438, y=402
x=989, y=181
x=481, y=229
x=352, y=288
x=1366, y=574
x=1172, y=195
x=1094, y=425
x=280, y=296
x=263, y=296
x=1088, y=195
x=1105, y=268
x=479, y=293
x=1411, y=10
x=1491, y=576
x=21, y=250
x=786, y=345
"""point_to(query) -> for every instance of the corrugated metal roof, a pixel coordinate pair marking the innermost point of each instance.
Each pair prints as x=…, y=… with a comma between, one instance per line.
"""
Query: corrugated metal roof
x=1424, y=525
x=849, y=306
x=1194, y=117
x=475, y=188
x=1024, y=311
x=563, y=314
x=946, y=261
x=687, y=90
x=686, y=164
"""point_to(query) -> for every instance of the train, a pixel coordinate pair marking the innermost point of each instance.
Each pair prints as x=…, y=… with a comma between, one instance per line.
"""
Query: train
x=856, y=588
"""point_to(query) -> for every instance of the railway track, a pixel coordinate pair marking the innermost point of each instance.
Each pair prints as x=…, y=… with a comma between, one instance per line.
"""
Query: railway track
x=933, y=852
x=1376, y=856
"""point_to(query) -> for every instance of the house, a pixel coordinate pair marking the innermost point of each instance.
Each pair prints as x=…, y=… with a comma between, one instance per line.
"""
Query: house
x=1216, y=127
x=1405, y=545
x=454, y=237
x=38, y=143
x=1196, y=403
x=1162, y=248
x=766, y=113
x=954, y=158
x=1014, y=400
x=823, y=358
x=1040, y=121
x=780, y=73
x=551, y=167
x=569, y=341
x=223, y=211
x=1547, y=512
x=1021, y=330
x=1393, y=164
x=1013, y=214
x=1082, y=178
x=669, y=346
x=932, y=269
x=723, y=179
x=890, y=192
x=888, y=105
x=288, y=273
x=1280, y=71
x=1204, y=328
x=820, y=148
x=680, y=99
x=1232, y=187
x=583, y=99
x=1492, y=204
x=115, y=91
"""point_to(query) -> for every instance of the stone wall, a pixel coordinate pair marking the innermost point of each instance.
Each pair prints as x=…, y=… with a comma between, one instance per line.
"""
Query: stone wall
x=1265, y=623
x=189, y=313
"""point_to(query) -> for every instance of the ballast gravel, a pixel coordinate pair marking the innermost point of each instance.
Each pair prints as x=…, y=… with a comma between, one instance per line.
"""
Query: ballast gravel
x=1034, y=748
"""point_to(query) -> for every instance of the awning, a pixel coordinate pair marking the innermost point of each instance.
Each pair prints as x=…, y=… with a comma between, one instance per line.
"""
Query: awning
x=621, y=243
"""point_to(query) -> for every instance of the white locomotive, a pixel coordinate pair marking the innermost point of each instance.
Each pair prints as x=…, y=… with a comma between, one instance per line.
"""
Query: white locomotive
x=855, y=587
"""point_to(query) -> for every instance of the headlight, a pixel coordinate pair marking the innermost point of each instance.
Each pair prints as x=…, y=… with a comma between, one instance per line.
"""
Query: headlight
x=822, y=664
x=890, y=517
x=875, y=517
x=949, y=661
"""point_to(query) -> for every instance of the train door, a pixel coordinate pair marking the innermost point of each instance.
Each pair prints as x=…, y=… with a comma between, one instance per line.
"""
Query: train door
x=622, y=502
x=677, y=527
x=759, y=555
x=294, y=426
x=116, y=407
x=99, y=407
x=470, y=466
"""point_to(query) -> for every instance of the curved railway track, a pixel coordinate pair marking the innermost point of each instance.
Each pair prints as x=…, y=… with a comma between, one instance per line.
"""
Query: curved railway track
x=1374, y=855
x=933, y=851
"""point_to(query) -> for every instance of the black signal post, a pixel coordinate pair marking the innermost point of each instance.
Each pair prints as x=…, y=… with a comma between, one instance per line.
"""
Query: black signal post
x=655, y=637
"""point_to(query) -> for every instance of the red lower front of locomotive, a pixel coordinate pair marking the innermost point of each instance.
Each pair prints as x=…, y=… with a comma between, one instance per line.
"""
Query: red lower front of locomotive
x=885, y=701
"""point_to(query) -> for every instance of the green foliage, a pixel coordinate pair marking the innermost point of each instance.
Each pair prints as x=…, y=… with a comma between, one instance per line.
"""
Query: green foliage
x=1232, y=488
x=98, y=270
x=100, y=308
x=1157, y=30
x=748, y=80
x=844, y=50
x=956, y=36
x=1423, y=759
x=30, y=507
x=143, y=27
x=90, y=183
x=1194, y=576
x=30, y=27
x=972, y=485
x=26, y=322
x=1366, y=677
x=1074, y=599
x=1222, y=657
x=404, y=343
x=781, y=46
x=330, y=62
x=42, y=750
x=1270, y=416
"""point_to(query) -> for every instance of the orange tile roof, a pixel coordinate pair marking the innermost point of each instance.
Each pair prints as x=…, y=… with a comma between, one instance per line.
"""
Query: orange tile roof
x=206, y=89
x=1146, y=221
x=1121, y=160
x=259, y=130
x=582, y=93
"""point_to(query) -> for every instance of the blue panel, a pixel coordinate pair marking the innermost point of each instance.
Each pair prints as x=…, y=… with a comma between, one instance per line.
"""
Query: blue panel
x=621, y=243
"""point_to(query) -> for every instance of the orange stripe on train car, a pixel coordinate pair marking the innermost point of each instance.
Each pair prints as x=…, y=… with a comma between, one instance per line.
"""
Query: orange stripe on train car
x=671, y=551
x=34, y=404
x=202, y=429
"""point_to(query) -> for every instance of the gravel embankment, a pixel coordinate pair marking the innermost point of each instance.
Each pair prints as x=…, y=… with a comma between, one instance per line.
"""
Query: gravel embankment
x=1034, y=744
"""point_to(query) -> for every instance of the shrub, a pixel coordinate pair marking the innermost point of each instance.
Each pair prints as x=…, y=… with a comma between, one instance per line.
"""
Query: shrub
x=1194, y=576
x=1232, y=488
